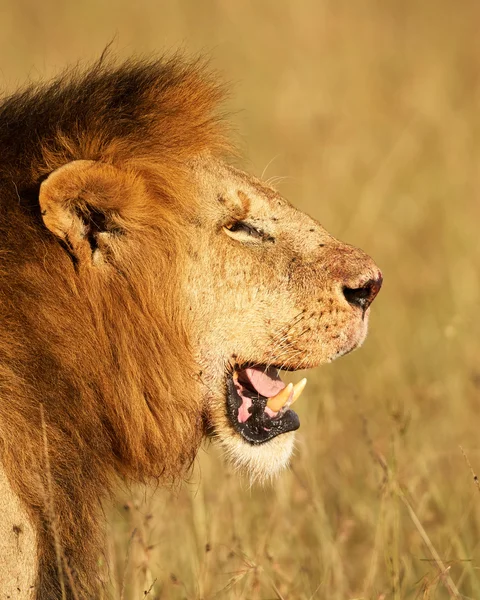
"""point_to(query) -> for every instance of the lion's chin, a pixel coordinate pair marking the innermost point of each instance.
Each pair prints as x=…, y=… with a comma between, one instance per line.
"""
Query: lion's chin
x=254, y=423
x=260, y=463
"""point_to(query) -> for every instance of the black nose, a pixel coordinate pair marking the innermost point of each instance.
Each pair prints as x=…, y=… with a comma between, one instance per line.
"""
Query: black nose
x=363, y=296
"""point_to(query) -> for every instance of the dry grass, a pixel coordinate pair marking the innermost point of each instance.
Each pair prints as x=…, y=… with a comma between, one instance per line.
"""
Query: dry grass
x=370, y=111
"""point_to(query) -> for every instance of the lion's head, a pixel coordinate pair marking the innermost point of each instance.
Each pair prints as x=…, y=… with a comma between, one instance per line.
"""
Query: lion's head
x=260, y=287
x=249, y=286
x=268, y=289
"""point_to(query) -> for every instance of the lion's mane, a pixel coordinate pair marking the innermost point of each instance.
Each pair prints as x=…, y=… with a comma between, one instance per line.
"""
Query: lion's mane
x=83, y=392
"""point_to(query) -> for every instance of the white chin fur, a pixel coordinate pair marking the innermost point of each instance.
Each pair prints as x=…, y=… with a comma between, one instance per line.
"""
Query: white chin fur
x=262, y=462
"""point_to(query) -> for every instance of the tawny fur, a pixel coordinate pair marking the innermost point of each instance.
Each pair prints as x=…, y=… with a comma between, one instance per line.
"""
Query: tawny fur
x=86, y=349
x=126, y=299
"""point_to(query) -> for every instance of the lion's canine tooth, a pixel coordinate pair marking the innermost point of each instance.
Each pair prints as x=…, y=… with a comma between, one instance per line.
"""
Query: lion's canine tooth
x=277, y=402
x=298, y=389
x=286, y=397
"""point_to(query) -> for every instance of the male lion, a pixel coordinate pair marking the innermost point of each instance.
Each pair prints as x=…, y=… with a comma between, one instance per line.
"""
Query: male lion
x=149, y=293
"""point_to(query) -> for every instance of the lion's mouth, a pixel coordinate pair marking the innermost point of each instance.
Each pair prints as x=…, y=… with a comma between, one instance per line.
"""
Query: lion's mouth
x=258, y=403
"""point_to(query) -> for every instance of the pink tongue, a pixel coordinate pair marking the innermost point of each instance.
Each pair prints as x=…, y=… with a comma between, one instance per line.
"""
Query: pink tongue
x=265, y=381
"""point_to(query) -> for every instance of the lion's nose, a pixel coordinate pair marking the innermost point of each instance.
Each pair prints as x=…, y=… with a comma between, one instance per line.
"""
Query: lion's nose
x=364, y=295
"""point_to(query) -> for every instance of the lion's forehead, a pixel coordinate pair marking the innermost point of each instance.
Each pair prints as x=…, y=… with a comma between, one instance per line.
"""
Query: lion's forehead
x=218, y=180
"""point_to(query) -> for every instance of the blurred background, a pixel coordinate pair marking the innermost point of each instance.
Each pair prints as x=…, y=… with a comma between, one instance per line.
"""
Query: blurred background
x=367, y=115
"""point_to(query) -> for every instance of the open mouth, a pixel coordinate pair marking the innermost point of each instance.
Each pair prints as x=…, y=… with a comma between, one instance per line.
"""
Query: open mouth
x=258, y=403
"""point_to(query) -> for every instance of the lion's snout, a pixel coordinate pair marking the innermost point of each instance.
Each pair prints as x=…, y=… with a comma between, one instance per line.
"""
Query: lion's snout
x=358, y=279
x=336, y=291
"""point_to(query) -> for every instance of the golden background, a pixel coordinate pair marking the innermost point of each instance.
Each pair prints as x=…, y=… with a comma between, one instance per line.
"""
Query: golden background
x=368, y=112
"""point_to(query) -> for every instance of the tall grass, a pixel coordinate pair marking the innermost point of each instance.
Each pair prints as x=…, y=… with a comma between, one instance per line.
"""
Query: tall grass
x=369, y=112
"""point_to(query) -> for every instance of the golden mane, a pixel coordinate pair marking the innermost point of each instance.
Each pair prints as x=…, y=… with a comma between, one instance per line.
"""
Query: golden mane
x=164, y=110
x=79, y=380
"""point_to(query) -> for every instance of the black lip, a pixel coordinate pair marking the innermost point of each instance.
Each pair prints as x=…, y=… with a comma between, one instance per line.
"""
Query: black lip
x=259, y=428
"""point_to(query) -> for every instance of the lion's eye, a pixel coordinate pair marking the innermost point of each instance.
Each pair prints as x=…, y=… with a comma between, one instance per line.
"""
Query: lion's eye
x=242, y=229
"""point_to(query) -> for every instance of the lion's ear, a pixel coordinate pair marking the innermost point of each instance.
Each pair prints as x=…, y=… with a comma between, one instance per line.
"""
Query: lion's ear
x=82, y=203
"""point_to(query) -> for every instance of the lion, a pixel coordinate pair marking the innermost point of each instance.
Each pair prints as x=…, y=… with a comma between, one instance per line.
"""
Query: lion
x=150, y=295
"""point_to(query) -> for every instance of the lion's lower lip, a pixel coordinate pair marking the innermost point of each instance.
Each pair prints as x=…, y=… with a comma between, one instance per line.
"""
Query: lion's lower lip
x=250, y=417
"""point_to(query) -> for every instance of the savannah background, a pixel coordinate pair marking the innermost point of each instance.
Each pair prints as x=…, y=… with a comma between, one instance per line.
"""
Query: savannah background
x=366, y=114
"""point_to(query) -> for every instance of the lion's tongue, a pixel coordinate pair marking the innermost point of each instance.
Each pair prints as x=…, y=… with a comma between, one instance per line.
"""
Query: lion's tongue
x=264, y=381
